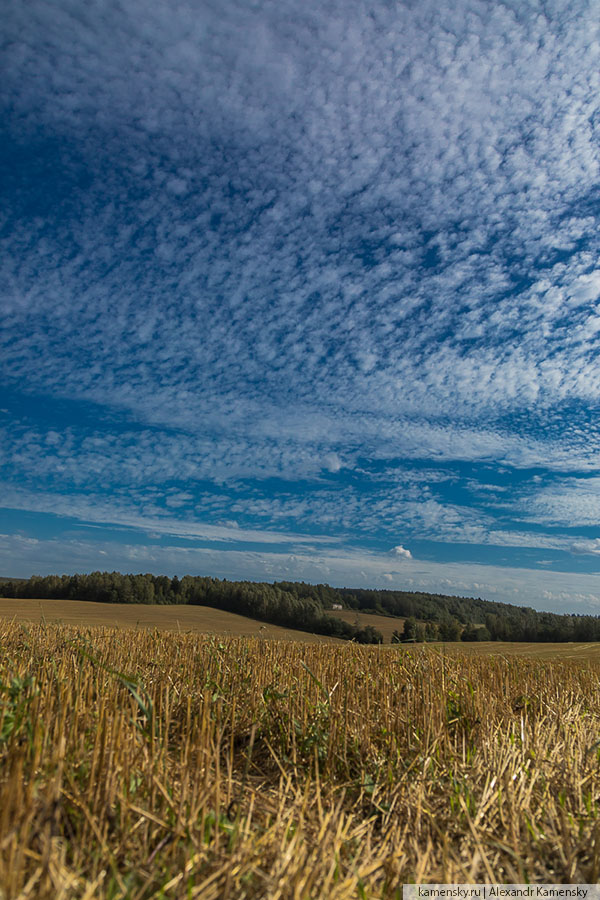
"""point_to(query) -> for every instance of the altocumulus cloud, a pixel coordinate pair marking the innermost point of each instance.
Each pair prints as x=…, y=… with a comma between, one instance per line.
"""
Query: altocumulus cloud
x=330, y=270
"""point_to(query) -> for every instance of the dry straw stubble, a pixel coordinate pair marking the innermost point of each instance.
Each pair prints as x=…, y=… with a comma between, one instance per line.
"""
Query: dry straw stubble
x=147, y=764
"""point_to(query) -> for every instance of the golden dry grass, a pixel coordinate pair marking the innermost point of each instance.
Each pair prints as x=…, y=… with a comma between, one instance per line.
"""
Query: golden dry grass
x=140, y=764
x=202, y=619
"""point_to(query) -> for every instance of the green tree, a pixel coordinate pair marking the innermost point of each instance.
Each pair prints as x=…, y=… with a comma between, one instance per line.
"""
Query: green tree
x=410, y=629
x=450, y=629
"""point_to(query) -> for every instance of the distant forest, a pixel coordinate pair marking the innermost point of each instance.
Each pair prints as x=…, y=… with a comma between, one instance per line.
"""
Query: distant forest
x=292, y=604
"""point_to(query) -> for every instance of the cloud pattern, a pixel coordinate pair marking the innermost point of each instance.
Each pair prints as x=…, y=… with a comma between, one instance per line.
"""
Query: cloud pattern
x=324, y=273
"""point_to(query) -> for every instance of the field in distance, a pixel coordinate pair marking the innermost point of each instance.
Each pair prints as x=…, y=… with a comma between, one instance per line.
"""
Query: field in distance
x=385, y=624
x=564, y=650
x=567, y=650
x=199, y=619
x=205, y=620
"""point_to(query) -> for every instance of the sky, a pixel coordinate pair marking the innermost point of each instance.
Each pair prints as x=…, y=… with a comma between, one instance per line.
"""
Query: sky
x=303, y=291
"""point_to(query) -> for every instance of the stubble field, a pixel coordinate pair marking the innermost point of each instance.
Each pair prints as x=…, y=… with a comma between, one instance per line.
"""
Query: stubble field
x=200, y=619
x=146, y=764
x=206, y=620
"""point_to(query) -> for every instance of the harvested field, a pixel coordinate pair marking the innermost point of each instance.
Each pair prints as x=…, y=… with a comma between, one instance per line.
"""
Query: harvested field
x=205, y=620
x=146, y=764
x=202, y=619
x=575, y=652
x=583, y=652
x=385, y=624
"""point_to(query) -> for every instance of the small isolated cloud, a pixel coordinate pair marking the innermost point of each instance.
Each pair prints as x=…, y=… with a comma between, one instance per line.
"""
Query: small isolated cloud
x=402, y=551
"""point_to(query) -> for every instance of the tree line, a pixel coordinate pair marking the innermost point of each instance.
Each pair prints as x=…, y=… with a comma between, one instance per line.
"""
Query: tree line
x=262, y=601
x=447, y=617
x=305, y=606
x=479, y=620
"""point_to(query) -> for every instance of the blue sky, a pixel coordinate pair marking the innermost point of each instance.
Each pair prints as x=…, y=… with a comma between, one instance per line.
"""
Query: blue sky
x=304, y=291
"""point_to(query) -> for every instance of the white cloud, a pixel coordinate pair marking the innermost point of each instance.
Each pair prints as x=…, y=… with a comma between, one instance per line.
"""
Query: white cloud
x=178, y=499
x=332, y=462
x=570, y=501
x=587, y=546
x=402, y=552
x=586, y=289
x=149, y=518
